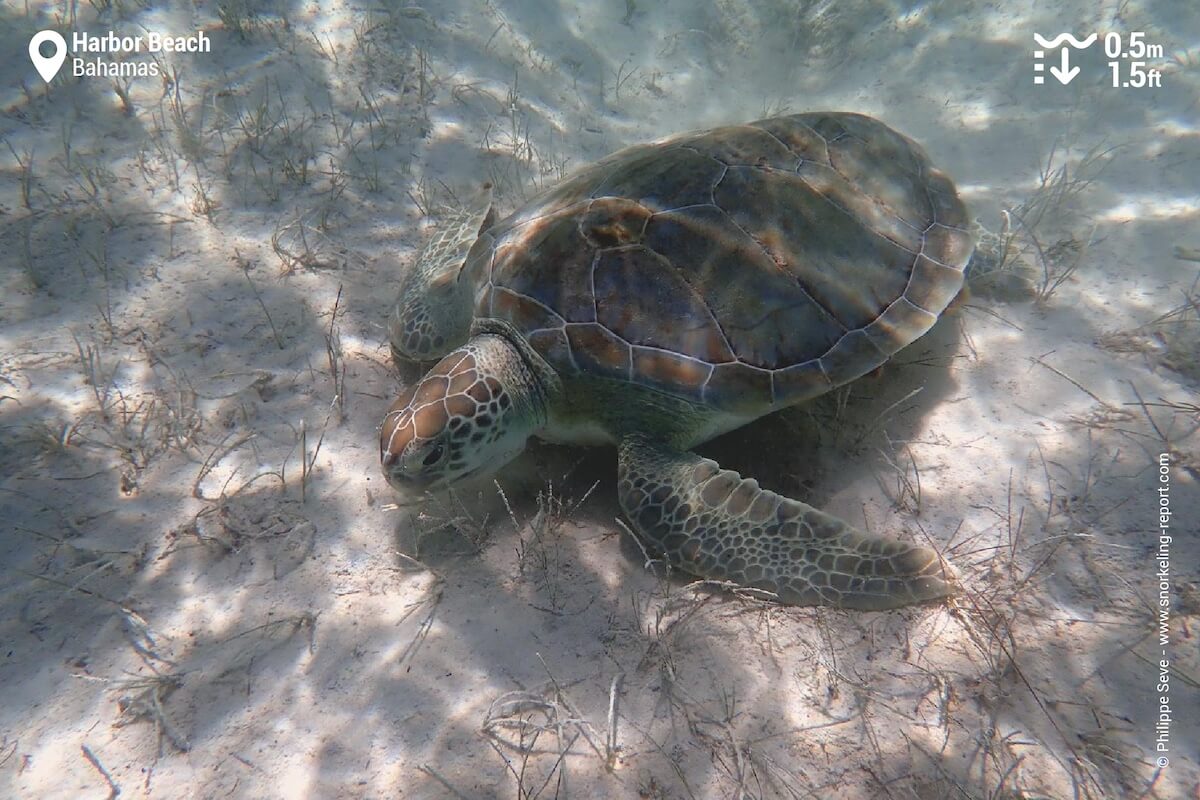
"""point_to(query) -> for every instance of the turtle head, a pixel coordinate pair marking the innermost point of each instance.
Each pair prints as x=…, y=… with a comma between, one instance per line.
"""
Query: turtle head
x=468, y=416
x=433, y=311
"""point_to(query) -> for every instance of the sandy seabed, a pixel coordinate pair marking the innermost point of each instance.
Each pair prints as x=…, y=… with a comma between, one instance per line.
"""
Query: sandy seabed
x=208, y=591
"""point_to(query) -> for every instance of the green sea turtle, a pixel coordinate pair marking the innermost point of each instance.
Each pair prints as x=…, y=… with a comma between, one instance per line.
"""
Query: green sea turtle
x=670, y=293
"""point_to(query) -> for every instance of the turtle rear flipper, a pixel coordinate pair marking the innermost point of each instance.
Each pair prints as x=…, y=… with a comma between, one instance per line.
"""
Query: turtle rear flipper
x=714, y=524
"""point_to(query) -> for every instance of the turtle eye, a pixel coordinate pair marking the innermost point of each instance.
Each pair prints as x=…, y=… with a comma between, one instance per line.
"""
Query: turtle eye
x=434, y=455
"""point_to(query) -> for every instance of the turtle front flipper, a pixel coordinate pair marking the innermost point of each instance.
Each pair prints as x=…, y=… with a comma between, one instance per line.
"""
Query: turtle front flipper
x=714, y=524
x=432, y=313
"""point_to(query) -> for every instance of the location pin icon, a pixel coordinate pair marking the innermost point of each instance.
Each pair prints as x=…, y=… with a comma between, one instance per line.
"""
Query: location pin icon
x=47, y=67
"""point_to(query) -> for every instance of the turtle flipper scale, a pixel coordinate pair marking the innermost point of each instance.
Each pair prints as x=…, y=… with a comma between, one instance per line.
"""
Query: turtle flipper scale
x=714, y=524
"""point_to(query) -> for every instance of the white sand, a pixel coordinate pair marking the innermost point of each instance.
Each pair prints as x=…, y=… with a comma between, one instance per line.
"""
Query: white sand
x=206, y=617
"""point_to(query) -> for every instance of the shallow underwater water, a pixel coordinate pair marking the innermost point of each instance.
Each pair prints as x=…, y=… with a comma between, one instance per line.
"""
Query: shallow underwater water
x=208, y=592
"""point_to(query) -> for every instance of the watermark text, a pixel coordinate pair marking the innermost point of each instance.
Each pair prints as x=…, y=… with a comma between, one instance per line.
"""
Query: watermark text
x=1162, y=561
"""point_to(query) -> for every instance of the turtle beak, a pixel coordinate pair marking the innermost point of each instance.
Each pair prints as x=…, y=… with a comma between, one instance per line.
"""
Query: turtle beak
x=410, y=490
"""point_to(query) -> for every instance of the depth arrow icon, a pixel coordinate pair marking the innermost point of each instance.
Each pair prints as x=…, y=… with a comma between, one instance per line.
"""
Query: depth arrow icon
x=1066, y=73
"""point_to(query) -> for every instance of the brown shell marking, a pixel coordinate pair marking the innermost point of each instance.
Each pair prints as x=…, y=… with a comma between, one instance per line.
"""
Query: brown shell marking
x=744, y=266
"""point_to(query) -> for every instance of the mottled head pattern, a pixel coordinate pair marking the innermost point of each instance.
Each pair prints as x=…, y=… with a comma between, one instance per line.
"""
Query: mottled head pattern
x=468, y=416
x=432, y=313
